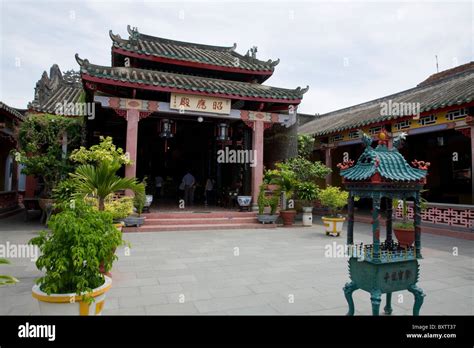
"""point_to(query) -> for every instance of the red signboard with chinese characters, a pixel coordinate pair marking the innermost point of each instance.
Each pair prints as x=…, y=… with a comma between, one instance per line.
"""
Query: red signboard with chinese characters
x=187, y=102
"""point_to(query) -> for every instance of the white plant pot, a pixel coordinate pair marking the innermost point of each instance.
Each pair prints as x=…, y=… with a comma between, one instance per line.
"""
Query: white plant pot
x=333, y=226
x=307, y=216
x=71, y=304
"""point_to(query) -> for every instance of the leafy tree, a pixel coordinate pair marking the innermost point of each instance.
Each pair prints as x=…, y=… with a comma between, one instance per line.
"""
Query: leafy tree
x=41, y=139
x=306, y=170
x=305, y=145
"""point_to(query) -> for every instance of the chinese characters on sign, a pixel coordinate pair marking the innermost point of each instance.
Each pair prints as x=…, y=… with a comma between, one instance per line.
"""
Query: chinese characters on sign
x=397, y=276
x=186, y=102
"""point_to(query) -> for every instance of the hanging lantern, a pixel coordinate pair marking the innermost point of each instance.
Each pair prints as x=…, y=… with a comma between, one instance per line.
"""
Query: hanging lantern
x=222, y=131
x=167, y=128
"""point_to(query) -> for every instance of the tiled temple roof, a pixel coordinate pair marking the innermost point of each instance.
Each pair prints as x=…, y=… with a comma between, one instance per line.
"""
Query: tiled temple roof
x=57, y=88
x=12, y=111
x=389, y=163
x=436, y=92
x=170, y=82
x=190, y=52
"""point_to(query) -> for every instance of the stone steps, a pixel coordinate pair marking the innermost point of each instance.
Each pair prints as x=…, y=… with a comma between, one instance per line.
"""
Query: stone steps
x=197, y=220
x=200, y=227
x=200, y=221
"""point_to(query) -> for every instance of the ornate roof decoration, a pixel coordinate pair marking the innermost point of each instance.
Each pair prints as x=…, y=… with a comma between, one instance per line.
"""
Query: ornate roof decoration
x=164, y=81
x=56, y=88
x=443, y=91
x=383, y=164
x=219, y=56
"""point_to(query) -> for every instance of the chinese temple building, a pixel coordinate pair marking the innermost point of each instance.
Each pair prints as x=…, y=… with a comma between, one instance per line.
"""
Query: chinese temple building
x=12, y=182
x=437, y=117
x=172, y=105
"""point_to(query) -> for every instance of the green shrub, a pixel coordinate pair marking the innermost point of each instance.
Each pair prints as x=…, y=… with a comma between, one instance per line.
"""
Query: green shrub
x=307, y=192
x=120, y=208
x=333, y=198
x=64, y=191
x=79, y=240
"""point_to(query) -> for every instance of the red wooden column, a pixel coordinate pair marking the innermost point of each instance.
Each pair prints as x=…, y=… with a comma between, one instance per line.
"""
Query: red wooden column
x=470, y=122
x=257, y=170
x=133, y=116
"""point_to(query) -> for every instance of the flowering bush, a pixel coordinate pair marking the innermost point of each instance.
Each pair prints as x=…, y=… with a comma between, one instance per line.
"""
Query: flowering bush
x=106, y=151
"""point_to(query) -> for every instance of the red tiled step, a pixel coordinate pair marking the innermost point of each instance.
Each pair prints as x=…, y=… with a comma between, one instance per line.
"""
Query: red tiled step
x=200, y=227
x=200, y=221
x=187, y=215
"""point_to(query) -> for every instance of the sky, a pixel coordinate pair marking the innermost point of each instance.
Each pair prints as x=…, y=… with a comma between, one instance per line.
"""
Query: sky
x=348, y=52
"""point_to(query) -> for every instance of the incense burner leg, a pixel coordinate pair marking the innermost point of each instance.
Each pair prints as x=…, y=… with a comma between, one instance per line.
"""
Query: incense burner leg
x=419, y=298
x=349, y=288
x=375, y=298
x=388, y=307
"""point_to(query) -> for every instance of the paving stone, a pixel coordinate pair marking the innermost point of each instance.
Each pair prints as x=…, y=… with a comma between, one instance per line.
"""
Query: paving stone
x=272, y=264
x=172, y=309
x=142, y=300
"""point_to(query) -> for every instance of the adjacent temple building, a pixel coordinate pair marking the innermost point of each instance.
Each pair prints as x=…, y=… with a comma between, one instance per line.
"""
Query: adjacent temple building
x=172, y=105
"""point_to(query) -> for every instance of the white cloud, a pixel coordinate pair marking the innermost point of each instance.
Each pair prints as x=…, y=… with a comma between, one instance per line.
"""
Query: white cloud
x=387, y=47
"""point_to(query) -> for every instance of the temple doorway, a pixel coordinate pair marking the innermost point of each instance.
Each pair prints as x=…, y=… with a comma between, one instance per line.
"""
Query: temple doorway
x=192, y=146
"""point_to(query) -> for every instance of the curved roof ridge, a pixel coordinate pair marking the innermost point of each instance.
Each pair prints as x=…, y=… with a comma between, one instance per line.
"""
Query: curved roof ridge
x=161, y=80
x=134, y=31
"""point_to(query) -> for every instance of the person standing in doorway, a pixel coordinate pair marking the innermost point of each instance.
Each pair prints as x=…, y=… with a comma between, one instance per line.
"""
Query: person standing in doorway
x=158, y=185
x=189, y=183
x=208, y=191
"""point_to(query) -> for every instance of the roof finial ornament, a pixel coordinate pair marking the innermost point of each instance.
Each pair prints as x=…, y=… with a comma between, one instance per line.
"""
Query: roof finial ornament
x=304, y=90
x=253, y=51
x=80, y=61
x=398, y=140
x=133, y=32
x=366, y=139
x=274, y=63
x=114, y=37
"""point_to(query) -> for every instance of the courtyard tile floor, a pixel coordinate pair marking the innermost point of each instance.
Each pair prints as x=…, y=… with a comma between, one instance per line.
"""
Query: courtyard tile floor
x=269, y=272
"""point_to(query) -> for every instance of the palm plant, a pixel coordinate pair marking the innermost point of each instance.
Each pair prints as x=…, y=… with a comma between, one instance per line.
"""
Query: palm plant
x=101, y=181
x=6, y=279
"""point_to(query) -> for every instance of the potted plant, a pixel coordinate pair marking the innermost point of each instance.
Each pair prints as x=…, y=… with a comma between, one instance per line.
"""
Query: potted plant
x=263, y=202
x=6, y=279
x=404, y=230
x=79, y=239
x=285, y=178
x=307, y=192
x=139, y=202
x=334, y=199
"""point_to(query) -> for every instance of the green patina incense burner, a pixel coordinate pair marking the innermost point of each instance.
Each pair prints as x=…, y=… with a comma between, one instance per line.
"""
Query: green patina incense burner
x=383, y=267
